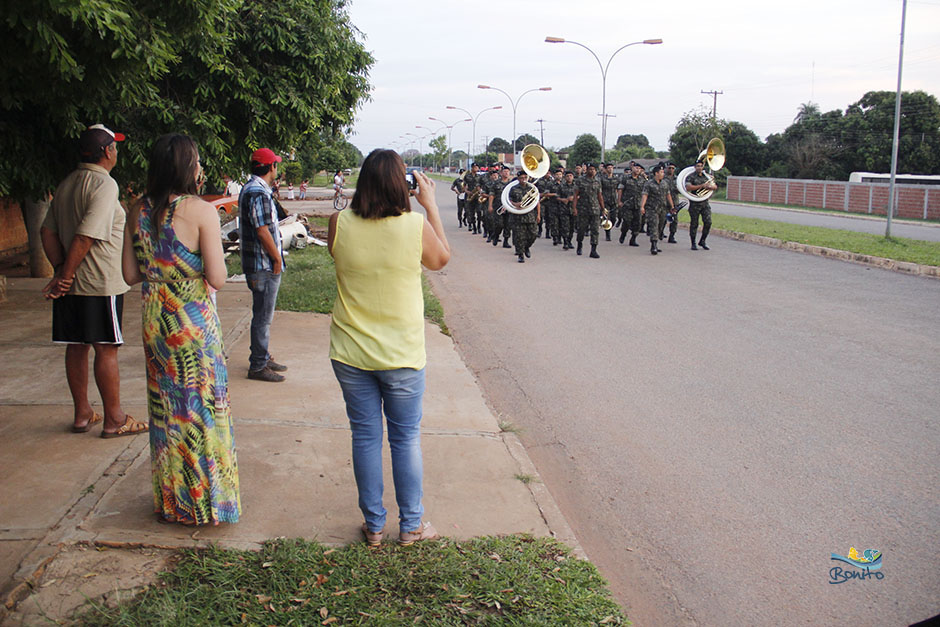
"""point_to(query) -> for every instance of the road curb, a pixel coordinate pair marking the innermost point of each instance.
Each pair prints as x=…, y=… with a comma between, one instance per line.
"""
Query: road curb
x=904, y=267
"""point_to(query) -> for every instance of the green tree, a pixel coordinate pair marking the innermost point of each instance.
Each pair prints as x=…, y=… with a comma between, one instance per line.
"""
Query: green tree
x=233, y=74
x=586, y=148
x=692, y=134
x=499, y=145
x=484, y=158
x=524, y=140
x=439, y=148
x=632, y=140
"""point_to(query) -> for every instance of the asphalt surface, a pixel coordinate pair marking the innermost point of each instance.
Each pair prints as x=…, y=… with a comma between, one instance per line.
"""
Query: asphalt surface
x=715, y=424
x=928, y=231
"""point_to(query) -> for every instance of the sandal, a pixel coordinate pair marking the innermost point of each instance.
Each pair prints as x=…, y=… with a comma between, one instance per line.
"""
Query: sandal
x=130, y=427
x=425, y=532
x=373, y=538
x=95, y=419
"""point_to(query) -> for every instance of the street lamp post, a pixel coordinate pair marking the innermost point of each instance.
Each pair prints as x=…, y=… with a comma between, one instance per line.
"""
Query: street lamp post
x=561, y=40
x=450, y=129
x=473, y=145
x=413, y=141
x=515, y=155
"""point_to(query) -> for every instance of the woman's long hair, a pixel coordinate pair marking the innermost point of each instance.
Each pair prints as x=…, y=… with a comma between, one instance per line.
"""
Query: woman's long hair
x=381, y=190
x=173, y=164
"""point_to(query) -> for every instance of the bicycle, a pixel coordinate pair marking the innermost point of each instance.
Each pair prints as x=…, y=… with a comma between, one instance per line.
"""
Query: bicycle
x=340, y=200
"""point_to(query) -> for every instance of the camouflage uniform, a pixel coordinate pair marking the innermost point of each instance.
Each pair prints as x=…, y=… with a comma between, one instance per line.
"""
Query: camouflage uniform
x=459, y=187
x=655, y=206
x=524, y=225
x=551, y=207
x=609, y=191
x=543, y=185
x=471, y=181
x=631, y=190
x=589, y=210
x=671, y=216
x=500, y=223
x=697, y=209
x=565, y=222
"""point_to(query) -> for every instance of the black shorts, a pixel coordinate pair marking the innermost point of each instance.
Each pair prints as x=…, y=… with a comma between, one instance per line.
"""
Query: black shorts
x=87, y=319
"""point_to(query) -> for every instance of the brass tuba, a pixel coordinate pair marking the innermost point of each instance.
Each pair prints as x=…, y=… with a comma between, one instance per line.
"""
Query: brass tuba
x=535, y=163
x=714, y=155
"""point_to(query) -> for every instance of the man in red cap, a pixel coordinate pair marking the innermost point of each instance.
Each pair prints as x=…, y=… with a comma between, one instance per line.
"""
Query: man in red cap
x=262, y=260
x=83, y=236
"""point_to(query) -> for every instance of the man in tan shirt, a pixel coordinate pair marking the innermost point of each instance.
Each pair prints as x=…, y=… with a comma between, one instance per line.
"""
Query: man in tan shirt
x=83, y=236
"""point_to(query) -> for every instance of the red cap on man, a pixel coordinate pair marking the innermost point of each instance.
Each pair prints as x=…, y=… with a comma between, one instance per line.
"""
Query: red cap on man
x=265, y=156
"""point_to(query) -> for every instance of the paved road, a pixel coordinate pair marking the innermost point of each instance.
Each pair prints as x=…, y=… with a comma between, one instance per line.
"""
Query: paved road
x=928, y=231
x=715, y=424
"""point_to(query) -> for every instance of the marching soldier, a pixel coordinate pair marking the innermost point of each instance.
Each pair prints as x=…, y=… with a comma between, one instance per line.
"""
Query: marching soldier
x=609, y=191
x=492, y=175
x=653, y=204
x=459, y=188
x=672, y=216
x=553, y=206
x=524, y=225
x=500, y=222
x=544, y=186
x=565, y=217
x=628, y=197
x=693, y=183
x=471, y=182
x=587, y=206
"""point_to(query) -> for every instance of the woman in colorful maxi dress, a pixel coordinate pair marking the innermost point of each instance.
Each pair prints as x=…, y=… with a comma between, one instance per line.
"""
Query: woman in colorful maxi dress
x=173, y=246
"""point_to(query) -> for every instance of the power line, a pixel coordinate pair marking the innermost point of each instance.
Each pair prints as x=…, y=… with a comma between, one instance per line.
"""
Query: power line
x=714, y=94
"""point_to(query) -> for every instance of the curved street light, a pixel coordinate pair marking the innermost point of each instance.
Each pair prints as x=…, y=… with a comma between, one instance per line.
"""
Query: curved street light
x=515, y=159
x=426, y=135
x=562, y=40
x=474, y=118
x=450, y=129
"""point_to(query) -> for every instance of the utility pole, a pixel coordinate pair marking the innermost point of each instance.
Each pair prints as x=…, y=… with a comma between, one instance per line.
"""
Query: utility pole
x=715, y=95
x=542, y=132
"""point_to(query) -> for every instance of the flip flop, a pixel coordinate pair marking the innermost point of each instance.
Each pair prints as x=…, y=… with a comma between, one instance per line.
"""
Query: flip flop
x=95, y=419
x=130, y=427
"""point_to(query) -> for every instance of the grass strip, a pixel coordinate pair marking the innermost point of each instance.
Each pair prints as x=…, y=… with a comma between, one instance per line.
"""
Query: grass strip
x=514, y=580
x=309, y=284
x=820, y=210
x=897, y=248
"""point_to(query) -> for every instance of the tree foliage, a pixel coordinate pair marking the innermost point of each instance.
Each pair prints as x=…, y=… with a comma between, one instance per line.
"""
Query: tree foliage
x=525, y=139
x=233, y=74
x=586, y=149
x=439, y=149
x=632, y=140
x=499, y=145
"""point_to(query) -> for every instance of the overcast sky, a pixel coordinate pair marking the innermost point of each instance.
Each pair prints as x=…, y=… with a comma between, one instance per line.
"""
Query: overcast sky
x=767, y=58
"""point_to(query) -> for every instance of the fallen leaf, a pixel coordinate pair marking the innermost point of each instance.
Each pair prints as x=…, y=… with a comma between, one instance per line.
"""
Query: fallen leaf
x=340, y=593
x=330, y=551
x=48, y=583
x=262, y=598
x=331, y=619
x=607, y=619
x=321, y=579
x=87, y=575
x=444, y=587
x=506, y=591
x=267, y=565
x=303, y=582
x=324, y=612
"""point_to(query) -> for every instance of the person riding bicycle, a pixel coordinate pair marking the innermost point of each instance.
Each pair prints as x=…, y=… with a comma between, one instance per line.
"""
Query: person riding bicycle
x=338, y=181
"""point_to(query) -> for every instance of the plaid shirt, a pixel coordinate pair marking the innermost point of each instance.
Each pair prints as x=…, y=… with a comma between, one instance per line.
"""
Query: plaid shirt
x=256, y=208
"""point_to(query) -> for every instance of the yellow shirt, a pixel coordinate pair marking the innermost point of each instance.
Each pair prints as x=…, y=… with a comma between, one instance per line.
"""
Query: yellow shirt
x=378, y=316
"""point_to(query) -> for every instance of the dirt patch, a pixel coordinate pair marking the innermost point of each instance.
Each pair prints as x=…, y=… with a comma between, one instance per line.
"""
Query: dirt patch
x=84, y=573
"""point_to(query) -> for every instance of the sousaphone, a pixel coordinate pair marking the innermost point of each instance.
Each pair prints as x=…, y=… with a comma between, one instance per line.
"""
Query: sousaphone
x=535, y=163
x=714, y=155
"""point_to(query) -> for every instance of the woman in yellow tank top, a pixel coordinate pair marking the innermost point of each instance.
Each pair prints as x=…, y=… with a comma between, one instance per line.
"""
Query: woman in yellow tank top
x=377, y=333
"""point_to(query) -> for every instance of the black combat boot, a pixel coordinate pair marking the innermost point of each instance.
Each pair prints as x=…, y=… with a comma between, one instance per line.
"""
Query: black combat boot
x=607, y=233
x=653, y=250
x=672, y=239
x=623, y=236
x=495, y=240
x=521, y=259
x=694, y=247
x=633, y=240
x=527, y=253
x=506, y=243
x=579, y=248
x=594, y=254
x=701, y=244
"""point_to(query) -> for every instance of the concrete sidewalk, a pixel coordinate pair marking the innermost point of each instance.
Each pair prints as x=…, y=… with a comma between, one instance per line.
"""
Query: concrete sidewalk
x=62, y=490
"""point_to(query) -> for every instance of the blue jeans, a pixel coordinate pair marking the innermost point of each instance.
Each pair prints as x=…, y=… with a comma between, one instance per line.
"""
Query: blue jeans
x=401, y=392
x=263, y=286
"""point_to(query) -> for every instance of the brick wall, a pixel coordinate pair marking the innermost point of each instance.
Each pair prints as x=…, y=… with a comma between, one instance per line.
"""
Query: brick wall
x=913, y=201
x=13, y=237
